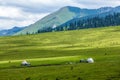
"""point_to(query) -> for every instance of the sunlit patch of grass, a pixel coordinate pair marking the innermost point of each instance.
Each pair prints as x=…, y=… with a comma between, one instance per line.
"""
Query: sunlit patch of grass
x=51, y=55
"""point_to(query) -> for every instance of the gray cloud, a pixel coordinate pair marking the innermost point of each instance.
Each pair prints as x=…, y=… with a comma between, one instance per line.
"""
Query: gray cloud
x=25, y=12
x=34, y=6
x=10, y=18
x=45, y=6
x=98, y=3
x=5, y=18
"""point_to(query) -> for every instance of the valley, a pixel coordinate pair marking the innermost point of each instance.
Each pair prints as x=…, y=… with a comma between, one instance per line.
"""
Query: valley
x=57, y=55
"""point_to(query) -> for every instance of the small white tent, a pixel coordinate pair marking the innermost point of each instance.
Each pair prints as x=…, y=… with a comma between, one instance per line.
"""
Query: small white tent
x=90, y=60
x=25, y=63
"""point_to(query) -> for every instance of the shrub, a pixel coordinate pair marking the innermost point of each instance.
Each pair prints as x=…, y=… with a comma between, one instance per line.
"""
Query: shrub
x=28, y=78
x=57, y=79
x=79, y=78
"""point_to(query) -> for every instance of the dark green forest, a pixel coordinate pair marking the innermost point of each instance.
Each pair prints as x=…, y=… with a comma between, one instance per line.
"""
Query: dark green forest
x=94, y=22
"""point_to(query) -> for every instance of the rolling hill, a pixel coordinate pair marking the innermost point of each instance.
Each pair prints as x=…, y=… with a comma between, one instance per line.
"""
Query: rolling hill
x=30, y=45
x=65, y=14
x=9, y=32
x=56, y=55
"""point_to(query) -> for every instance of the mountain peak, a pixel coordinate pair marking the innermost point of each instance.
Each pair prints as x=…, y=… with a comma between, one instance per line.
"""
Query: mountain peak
x=65, y=14
x=106, y=8
x=15, y=27
x=117, y=7
x=70, y=7
x=8, y=32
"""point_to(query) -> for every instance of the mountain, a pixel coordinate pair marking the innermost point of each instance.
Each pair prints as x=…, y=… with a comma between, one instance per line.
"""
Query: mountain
x=64, y=15
x=101, y=12
x=12, y=31
x=94, y=22
x=57, y=18
x=104, y=12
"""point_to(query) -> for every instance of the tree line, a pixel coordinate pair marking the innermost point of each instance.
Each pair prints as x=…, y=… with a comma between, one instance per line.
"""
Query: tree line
x=109, y=20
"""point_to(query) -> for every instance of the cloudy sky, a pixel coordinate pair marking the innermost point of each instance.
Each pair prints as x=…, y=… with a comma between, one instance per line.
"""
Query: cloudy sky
x=25, y=12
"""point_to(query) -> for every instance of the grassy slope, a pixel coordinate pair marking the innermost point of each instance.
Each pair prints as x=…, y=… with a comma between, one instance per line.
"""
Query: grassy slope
x=57, y=18
x=60, y=48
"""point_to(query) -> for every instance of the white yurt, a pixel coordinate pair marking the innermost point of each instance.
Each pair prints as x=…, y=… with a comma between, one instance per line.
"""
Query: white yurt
x=25, y=63
x=90, y=60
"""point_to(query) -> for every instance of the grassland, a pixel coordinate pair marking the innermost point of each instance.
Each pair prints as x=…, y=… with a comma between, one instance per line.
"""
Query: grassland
x=50, y=55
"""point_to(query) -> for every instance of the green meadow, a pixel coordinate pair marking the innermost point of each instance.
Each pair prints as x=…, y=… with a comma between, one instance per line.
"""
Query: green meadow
x=56, y=55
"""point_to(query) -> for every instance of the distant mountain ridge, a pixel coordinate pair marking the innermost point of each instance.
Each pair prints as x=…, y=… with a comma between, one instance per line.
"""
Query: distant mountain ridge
x=93, y=22
x=9, y=32
x=64, y=15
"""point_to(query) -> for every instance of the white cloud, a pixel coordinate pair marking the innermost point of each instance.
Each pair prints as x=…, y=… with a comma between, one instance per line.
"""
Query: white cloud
x=11, y=12
x=26, y=12
x=11, y=16
x=36, y=5
x=98, y=3
x=18, y=21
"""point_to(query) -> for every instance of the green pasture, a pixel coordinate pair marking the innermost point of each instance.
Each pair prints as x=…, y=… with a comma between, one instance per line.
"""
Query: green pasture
x=56, y=55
